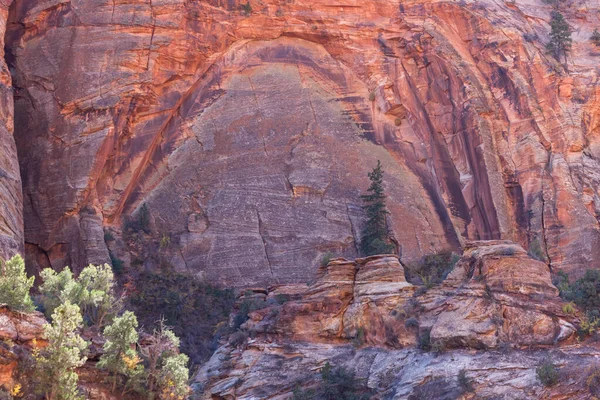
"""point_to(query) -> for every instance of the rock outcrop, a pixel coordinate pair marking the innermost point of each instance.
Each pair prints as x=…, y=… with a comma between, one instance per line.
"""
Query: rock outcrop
x=496, y=294
x=246, y=133
x=497, y=317
x=352, y=300
x=17, y=330
x=265, y=370
x=11, y=198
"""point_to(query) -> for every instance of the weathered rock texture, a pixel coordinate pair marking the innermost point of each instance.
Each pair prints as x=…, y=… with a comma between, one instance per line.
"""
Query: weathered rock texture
x=17, y=330
x=351, y=300
x=11, y=198
x=273, y=370
x=496, y=294
x=249, y=137
x=365, y=317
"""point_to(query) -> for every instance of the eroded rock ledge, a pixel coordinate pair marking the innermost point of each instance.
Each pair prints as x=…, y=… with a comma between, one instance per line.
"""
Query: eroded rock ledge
x=497, y=315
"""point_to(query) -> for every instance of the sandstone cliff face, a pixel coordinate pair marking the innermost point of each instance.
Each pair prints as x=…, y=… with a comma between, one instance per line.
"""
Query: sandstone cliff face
x=248, y=135
x=11, y=201
x=364, y=316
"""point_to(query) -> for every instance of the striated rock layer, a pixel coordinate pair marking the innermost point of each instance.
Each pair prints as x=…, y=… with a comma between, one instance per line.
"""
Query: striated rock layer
x=11, y=198
x=497, y=317
x=247, y=134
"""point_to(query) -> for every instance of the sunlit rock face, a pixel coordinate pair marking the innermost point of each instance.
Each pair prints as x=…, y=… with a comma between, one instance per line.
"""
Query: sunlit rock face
x=248, y=136
x=11, y=198
x=496, y=317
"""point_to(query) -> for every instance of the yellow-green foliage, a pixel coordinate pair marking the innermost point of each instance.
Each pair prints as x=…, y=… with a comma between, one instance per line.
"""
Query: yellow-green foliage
x=569, y=308
x=15, y=285
x=57, y=362
x=120, y=356
x=92, y=291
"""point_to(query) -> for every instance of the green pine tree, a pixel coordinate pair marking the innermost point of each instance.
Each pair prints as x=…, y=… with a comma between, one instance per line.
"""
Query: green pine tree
x=375, y=236
x=560, y=37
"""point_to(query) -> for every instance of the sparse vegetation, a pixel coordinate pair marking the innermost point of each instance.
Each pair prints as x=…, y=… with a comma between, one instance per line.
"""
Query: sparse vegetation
x=372, y=96
x=547, y=373
x=507, y=251
x=167, y=373
x=118, y=265
x=425, y=340
x=165, y=241
x=247, y=8
x=336, y=384
x=432, y=269
x=569, y=308
x=464, y=383
x=359, y=339
x=411, y=323
x=375, y=239
x=326, y=258
x=194, y=309
x=535, y=251
x=595, y=38
x=141, y=221
x=593, y=380
x=584, y=292
x=248, y=304
x=555, y=3
x=15, y=285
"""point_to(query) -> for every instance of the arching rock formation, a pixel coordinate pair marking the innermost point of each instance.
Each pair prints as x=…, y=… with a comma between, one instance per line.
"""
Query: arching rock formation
x=247, y=136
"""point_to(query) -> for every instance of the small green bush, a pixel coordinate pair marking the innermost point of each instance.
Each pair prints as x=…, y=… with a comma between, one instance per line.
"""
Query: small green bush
x=547, y=373
x=584, y=292
x=372, y=96
x=165, y=241
x=595, y=38
x=246, y=307
x=56, y=364
x=411, y=323
x=359, y=339
x=118, y=265
x=141, y=222
x=425, y=340
x=464, y=383
x=247, y=8
x=593, y=380
x=536, y=252
x=15, y=285
x=508, y=251
x=569, y=308
x=432, y=269
x=238, y=338
x=326, y=258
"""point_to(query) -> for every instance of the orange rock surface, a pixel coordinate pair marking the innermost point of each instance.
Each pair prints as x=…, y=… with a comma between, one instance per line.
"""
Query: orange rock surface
x=496, y=317
x=248, y=135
